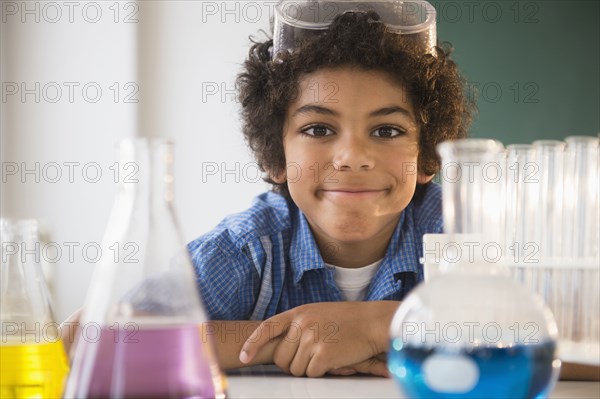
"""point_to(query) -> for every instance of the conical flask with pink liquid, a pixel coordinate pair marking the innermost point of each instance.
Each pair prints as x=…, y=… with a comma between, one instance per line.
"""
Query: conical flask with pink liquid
x=140, y=332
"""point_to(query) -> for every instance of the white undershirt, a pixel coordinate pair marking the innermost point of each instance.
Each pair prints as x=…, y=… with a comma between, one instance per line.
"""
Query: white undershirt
x=353, y=283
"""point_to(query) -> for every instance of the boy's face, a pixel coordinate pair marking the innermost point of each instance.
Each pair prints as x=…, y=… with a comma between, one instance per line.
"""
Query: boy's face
x=351, y=147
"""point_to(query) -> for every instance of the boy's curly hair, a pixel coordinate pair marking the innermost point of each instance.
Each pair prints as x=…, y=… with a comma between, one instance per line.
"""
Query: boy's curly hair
x=267, y=87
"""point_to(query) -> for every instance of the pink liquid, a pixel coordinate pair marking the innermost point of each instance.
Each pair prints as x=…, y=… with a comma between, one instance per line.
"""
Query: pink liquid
x=163, y=363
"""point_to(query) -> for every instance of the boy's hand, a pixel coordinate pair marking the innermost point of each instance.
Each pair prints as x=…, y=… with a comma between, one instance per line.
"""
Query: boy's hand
x=327, y=336
x=375, y=365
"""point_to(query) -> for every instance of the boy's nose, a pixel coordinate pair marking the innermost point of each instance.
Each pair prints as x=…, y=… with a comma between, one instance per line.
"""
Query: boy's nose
x=352, y=154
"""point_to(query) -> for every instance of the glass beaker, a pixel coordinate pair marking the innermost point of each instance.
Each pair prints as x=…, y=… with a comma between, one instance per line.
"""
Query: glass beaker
x=33, y=360
x=472, y=331
x=141, y=325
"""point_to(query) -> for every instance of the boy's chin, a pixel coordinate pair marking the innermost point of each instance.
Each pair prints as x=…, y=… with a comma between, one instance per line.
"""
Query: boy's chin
x=352, y=233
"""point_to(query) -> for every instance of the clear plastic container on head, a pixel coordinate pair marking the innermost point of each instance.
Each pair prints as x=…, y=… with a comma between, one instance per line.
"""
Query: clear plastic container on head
x=33, y=360
x=295, y=20
x=471, y=331
x=141, y=328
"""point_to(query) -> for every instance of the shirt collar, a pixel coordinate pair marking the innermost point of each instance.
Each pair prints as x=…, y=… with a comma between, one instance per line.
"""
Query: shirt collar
x=304, y=252
x=400, y=257
x=401, y=243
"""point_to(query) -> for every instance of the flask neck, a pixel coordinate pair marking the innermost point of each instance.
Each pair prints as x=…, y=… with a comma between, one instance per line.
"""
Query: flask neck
x=143, y=213
x=147, y=174
x=25, y=301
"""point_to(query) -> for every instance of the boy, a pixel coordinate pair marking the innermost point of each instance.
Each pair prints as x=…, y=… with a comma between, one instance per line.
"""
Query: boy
x=345, y=125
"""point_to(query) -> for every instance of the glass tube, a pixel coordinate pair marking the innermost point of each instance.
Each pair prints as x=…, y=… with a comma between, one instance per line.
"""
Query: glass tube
x=580, y=237
x=521, y=200
x=581, y=198
x=473, y=186
x=546, y=217
x=550, y=165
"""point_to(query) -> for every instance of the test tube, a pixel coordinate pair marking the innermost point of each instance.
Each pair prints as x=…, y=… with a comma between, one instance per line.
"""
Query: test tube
x=581, y=235
x=473, y=173
x=581, y=205
x=521, y=201
x=547, y=222
x=550, y=164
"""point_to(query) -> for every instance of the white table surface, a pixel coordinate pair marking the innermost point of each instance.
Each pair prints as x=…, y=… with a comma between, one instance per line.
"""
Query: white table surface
x=269, y=382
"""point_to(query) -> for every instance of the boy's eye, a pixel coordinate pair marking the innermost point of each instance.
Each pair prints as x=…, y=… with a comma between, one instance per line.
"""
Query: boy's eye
x=387, y=132
x=317, y=131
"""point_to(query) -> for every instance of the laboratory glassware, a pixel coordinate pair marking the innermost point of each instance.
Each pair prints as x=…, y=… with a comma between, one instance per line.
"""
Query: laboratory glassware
x=33, y=359
x=141, y=328
x=472, y=331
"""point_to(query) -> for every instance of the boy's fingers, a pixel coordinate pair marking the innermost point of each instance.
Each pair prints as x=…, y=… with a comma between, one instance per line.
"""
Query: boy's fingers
x=267, y=330
x=376, y=367
x=284, y=355
x=299, y=363
x=342, y=371
x=372, y=366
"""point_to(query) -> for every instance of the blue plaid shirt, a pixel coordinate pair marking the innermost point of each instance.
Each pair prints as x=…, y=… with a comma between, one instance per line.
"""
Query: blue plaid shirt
x=265, y=260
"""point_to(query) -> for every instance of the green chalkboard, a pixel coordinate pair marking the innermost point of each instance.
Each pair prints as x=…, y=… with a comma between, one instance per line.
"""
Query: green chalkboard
x=535, y=65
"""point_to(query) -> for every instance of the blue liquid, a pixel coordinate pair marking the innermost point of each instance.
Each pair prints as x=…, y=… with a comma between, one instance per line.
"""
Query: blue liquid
x=523, y=371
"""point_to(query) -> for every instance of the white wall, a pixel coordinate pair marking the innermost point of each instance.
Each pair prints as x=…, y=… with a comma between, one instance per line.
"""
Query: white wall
x=176, y=54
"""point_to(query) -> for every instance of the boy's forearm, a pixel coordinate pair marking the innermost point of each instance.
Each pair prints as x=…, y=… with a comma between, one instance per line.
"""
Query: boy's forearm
x=228, y=337
x=386, y=312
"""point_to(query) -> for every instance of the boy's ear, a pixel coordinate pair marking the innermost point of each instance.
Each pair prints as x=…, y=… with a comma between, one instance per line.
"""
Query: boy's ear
x=423, y=178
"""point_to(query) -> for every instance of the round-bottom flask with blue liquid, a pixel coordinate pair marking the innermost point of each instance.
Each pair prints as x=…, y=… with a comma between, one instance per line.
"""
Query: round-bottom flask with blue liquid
x=472, y=333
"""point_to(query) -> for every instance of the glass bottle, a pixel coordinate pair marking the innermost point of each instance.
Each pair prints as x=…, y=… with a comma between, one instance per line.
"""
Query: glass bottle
x=33, y=360
x=140, y=332
x=473, y=331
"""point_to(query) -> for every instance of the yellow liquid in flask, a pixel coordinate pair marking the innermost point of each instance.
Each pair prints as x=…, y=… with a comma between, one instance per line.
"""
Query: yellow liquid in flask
x=32, y=370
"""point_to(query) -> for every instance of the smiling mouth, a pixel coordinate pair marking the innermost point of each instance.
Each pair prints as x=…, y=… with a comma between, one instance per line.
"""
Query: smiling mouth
x=352, y=193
